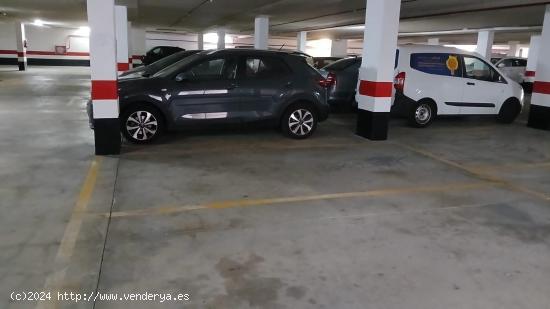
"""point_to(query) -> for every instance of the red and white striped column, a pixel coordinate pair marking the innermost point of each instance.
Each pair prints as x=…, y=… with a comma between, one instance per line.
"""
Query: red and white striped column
x=21, y=46
x=121, y=26
x=103, y=68
x=539, y=113
x=534, y=45
x=374, y=90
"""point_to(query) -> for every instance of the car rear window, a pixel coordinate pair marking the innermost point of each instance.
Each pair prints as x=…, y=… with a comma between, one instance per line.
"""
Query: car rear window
x=437, y=63
x=341, y=64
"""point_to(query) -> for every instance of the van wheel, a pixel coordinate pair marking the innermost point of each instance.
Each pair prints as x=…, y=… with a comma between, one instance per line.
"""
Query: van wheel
x=422, y=114
x=509, y=111
x=141, y=124
x=299, y=121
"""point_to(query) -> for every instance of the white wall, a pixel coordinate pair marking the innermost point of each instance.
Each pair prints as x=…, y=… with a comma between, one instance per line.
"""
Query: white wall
x=185, y=41
x=7, y=36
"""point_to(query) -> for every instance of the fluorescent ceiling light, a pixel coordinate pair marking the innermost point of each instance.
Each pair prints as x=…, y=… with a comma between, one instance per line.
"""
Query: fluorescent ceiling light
x=38, y=22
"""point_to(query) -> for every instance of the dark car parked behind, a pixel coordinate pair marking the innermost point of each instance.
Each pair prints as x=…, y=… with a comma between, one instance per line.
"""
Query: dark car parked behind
x=159, y=52
x=342, y=77
x=148, y=70
x=225, y=86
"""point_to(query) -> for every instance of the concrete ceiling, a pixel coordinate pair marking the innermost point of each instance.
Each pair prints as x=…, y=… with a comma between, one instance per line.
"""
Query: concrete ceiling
x=289, y=16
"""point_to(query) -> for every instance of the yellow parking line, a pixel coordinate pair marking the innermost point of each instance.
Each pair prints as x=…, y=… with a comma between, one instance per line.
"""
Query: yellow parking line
x=476, y=172
x=66, y=248
x=295, y=199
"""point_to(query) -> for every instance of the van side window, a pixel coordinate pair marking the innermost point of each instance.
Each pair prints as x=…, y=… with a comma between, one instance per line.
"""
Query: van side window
x=437, y=63
x=476, y=68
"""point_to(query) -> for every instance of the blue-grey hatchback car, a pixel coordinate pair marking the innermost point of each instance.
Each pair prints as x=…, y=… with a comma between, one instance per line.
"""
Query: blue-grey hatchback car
x=225, y=86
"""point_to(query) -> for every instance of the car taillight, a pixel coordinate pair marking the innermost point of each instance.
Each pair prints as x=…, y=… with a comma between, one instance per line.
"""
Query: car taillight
x=399, y=81
x=329, y=81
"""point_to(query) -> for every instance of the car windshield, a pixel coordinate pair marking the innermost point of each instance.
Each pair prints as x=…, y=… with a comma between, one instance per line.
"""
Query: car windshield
x=164, y=62
x=340, y=64
x=178, y=66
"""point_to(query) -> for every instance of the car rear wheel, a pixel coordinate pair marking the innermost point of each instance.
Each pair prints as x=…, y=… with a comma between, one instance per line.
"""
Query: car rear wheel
x=141, y=124
x=509, y=111
x=299, y=121
x=422, y=114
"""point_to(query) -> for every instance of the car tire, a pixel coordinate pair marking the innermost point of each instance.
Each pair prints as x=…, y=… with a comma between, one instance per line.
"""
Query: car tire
x=141, y=124
x=509, y=111
x=422, y=114
x=299, y=121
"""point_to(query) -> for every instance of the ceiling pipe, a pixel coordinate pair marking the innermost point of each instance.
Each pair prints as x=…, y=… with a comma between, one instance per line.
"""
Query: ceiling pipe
x=471, y=31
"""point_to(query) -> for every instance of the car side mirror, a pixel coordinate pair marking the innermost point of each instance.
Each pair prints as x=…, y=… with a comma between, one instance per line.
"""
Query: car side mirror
x=181, y=77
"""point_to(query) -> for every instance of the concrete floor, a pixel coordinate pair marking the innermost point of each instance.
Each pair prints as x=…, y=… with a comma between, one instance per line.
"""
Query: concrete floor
x=453, y=216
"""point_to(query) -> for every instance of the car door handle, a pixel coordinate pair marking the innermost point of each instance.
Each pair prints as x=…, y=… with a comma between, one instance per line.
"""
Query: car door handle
x=470, y=84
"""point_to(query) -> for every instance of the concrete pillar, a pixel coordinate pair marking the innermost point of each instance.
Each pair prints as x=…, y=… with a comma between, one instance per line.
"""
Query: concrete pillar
x=221, y=39
x=130, y=48
x=21, y=46
x=261, y=32
x=138, y=45
x=301, y=41
x=377, y=67
x=103, y=69
x=433, y=41
x=200, y=41
x=539, y=113
x=485, y=43
x=339, y=48
x=121, y=26
x=514, y=48
x=532, y=59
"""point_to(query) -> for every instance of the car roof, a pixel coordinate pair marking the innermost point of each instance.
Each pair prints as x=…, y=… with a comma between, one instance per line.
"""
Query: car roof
x=236, y=51
x=434, y=49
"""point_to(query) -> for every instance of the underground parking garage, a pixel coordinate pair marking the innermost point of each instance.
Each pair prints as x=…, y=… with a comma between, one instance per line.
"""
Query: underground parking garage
x=275, y=154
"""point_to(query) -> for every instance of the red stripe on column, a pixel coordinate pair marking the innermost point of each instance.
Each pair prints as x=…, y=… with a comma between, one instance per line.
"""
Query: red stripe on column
x=541, y=87
x=8, y=52
x=529, y=73
x=104, y=90
x=121, y=66
x=20, y=54
x=375, y=89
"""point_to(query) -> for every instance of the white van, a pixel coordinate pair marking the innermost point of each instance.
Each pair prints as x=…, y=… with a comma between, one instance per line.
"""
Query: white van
x=437, y=80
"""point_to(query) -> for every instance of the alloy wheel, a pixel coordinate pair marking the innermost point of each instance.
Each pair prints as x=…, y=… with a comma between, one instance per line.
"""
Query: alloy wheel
x=300, y=122
x=142, y=125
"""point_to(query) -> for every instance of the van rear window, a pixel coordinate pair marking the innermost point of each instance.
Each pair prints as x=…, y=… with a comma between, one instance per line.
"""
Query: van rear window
x=437, y=63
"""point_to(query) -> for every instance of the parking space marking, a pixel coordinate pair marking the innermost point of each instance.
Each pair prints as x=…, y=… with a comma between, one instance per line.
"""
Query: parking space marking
x=295, y=199
x=511, y=166
x=481, y=174
x=66, y=248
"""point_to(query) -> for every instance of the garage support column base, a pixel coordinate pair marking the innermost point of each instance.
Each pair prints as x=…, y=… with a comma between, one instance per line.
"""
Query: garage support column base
x=22, y=66
x=539, y=117
x=107, y=136
x=371, y=125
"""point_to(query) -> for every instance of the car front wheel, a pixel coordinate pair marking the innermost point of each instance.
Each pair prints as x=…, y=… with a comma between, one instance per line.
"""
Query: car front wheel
x=299, y=121
x=141, y=124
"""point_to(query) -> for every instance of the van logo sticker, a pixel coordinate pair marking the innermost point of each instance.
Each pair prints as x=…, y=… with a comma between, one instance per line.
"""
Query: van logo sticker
x=452, y=64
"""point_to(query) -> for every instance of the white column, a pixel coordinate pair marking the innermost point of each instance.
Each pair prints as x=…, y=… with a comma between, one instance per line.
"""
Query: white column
x=485, y=43
x=21, y=46
x=339, y=48
x=130, y=47
x=103, y=69
x=532, y=59
x=301, y=41
x=375, y=84
x=261, y=32
x=513, y=50
x=539, y=113
x=200, y=40
x=138, y=47
x=121, y=26
x=221, y=39
x=433, y=41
